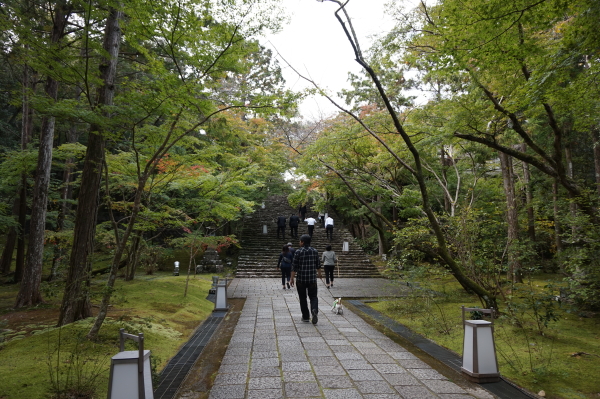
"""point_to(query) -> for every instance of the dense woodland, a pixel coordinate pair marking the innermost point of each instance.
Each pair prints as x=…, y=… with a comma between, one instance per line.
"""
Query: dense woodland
x=130, y=128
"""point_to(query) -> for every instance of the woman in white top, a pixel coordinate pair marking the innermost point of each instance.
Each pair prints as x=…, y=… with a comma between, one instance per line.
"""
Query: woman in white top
x=328, y=260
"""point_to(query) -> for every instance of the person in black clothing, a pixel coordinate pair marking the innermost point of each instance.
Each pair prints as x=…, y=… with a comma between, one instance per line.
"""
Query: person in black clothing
x=302, y=211
x=294, y=221
x=281, y=226
x=285, y=265
x=305, y=270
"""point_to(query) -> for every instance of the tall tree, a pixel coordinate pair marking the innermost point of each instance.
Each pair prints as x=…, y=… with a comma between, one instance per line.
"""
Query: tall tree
x=75, y=303
x=416, y=169
x=512, y=219
x=29, y=291
x=189, y=52
x=514, y=62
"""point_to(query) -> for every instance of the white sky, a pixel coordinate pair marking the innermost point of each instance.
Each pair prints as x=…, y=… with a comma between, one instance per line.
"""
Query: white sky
x=315, y=44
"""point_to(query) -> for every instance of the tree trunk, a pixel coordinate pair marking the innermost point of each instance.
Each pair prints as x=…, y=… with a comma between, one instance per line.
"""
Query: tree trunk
x=514, y=264
x=108, y=69
x=557, y=225
x=134, y=256
x=596, y=136
x=572, y=203
x=29, y=83
x=29, y=292
x=121, y=244
x=7, y=253
x=76, y=302
x=528, y=198
x=447, y=205
x=20, y=260
x=362, y=228
x=9, y=245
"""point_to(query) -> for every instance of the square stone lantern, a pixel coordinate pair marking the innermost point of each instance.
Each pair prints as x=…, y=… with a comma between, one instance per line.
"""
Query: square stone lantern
x=479, y=350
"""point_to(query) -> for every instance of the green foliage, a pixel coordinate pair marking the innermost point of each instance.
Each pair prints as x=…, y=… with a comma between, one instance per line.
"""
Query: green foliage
x=75, y=367
x=166, y=321
x=551, y=361
x=198, y=243
x=13, y=165
x=528, y=302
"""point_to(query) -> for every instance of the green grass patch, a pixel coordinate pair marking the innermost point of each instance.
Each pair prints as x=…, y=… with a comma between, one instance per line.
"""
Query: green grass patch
x=36, y=358
x=541, y=344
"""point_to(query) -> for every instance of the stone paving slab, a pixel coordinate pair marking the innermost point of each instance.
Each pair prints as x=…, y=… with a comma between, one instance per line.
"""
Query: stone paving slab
x=345, y=288
x=273, y=354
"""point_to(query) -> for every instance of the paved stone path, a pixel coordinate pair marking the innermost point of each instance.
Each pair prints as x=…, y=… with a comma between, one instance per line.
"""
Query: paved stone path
x=273, y=354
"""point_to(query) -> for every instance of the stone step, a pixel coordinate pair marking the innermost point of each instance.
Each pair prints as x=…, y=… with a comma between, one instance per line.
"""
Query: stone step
x=260, y=252
x=278, y=274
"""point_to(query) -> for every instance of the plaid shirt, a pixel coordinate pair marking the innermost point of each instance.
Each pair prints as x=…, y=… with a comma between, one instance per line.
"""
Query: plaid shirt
x=305, y=265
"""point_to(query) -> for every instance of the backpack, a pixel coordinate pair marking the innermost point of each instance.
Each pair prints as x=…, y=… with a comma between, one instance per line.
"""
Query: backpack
x=286, y=262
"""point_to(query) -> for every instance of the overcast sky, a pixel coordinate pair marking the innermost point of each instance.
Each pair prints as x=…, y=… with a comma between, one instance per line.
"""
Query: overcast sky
x=315, y=44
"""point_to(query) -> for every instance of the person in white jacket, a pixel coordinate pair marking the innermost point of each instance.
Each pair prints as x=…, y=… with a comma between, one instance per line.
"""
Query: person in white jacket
x=310, y=221
x=329, y=227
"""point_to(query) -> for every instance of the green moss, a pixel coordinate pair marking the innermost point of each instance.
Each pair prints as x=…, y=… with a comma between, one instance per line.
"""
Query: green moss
x=533, y=356
x=153, y=305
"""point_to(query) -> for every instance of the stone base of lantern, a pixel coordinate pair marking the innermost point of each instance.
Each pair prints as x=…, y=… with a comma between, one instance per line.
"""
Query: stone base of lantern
x=480, y=378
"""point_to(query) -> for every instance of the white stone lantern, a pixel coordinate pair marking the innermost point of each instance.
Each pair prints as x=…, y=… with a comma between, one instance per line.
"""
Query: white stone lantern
x=176, y=269
x=479, y=350
x=130, y=374
x=345, y=247
x=221, y=299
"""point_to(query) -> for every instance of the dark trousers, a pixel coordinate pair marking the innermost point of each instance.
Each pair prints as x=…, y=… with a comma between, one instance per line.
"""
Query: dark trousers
x=311, y=290
x=294, y=231
x=285, y=274
x=282, y=229
x=329, y=231
x=329, y=273
x=310, y=230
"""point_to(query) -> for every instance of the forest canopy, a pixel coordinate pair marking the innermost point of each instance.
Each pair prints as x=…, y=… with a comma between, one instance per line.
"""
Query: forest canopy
x=132, y=126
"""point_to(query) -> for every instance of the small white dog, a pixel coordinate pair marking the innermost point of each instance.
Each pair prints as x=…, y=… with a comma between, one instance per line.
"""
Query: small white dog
x=337, y=307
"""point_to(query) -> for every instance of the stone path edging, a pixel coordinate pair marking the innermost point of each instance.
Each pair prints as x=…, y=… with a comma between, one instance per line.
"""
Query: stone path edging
x=175, y=372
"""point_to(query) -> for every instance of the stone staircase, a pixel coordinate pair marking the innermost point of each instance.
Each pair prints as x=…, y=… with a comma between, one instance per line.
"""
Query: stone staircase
x=260, y=252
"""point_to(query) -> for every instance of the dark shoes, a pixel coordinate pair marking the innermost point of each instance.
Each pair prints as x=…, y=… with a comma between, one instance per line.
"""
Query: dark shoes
x=305, y=320
x=288, y=286
x=315, y=319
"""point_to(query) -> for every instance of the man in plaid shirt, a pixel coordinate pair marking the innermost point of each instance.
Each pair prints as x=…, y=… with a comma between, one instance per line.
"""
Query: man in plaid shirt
x=305, y=269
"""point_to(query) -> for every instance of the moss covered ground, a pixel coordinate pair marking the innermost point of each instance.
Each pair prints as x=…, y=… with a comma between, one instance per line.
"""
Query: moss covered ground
x=542, y=344
x=37, y=359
